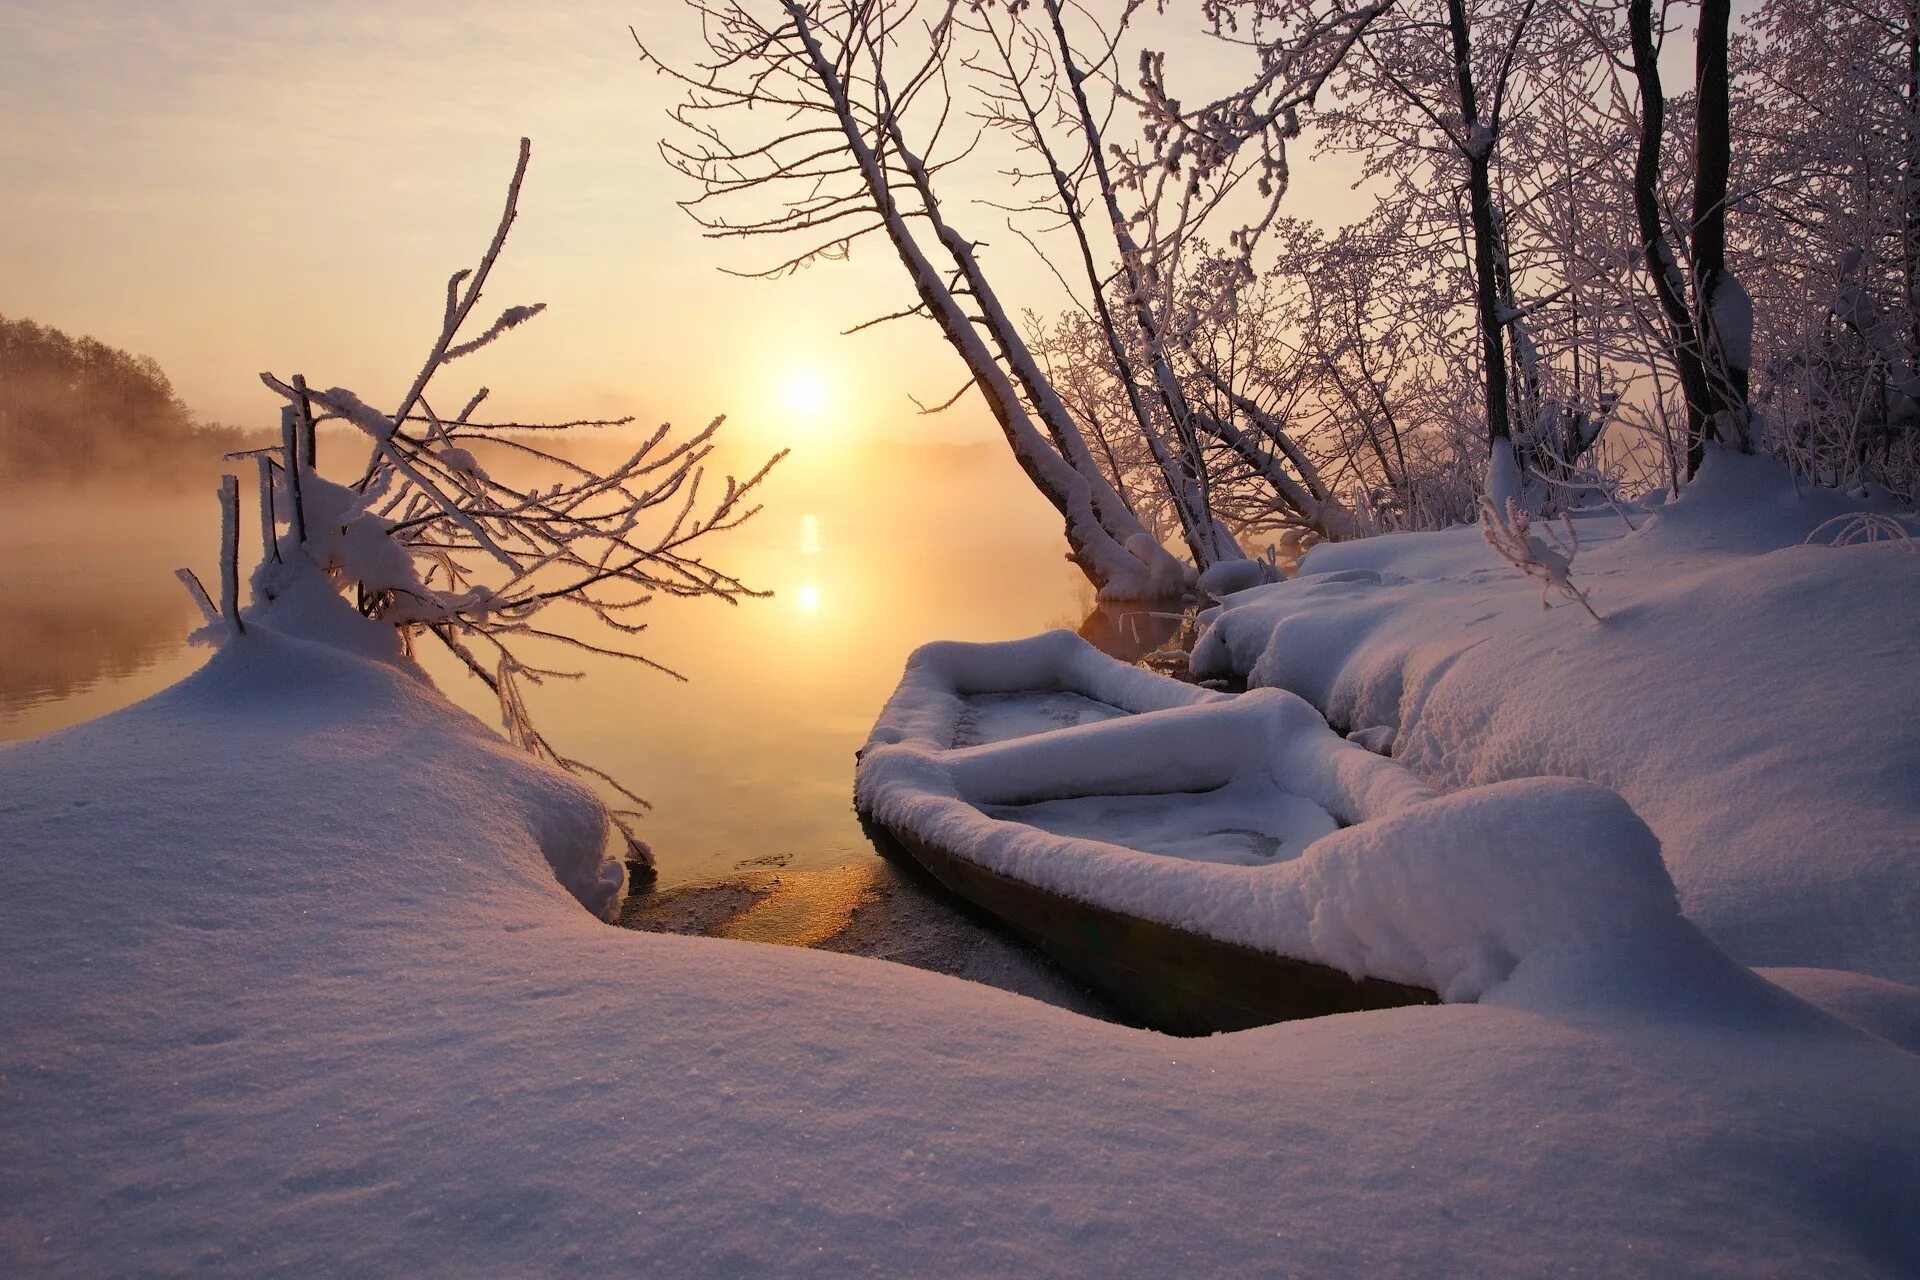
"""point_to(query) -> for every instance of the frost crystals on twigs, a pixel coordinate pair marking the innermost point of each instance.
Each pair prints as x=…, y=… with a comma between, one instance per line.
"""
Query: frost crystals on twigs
x=1549, y=560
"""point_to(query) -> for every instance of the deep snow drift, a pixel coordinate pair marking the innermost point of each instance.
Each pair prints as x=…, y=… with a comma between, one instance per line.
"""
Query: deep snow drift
x=1756, y=699
x=289, y=984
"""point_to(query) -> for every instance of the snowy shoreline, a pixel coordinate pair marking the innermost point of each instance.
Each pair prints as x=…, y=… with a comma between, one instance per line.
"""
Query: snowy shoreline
x=873, y=909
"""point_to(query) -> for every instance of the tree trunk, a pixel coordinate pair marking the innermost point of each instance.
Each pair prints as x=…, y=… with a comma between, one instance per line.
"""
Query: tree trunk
x=1124, y=563
x=1683, y=339
x=1713, y=155
x=1479, y=153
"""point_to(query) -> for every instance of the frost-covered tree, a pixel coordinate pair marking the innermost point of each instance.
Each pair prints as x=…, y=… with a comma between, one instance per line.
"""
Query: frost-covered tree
x=1708, y=315
x=832, y=122
x=1375, y=386
x=1146, y=200
x=1425, y=101
x=1836, y=176
x=879, y=98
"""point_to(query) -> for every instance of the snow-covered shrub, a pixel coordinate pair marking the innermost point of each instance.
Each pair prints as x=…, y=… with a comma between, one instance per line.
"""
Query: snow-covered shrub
x=427, y=544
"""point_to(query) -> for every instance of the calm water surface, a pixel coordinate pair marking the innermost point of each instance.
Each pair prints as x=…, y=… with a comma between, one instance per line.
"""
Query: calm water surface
x=869, y=552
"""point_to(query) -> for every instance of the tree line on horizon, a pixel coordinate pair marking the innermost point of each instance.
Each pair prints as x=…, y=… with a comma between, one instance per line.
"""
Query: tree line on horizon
x=77, y=408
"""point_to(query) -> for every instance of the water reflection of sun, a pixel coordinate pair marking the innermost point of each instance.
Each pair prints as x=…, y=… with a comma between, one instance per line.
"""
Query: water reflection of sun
x=809, y=535
x=808, y=598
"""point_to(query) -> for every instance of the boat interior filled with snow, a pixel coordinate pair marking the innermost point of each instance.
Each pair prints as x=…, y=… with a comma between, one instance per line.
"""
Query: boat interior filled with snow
x=1209, y=862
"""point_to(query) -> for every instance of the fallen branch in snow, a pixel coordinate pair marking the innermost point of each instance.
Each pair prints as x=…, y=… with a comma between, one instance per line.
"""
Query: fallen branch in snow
x=1550, y=560
x=430, y=542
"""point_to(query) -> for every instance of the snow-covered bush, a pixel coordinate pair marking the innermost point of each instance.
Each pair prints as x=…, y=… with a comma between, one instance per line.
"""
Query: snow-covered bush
x=427, y=544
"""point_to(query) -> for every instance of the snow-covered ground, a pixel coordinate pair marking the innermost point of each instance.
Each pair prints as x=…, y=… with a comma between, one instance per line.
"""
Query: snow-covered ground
x=1756, y=699
x=291, y=984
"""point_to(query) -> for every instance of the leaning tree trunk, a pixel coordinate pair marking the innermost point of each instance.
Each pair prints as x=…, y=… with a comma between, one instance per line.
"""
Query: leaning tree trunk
x=1116, y=553
x=1185, y=474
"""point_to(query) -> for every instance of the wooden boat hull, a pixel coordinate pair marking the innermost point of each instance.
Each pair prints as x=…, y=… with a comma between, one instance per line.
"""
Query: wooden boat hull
x=1165, y=978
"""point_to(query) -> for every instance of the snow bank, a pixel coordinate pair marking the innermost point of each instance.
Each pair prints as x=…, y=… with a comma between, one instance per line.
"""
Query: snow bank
x=1449, y=894
x=1752, y=698
x=289, y=987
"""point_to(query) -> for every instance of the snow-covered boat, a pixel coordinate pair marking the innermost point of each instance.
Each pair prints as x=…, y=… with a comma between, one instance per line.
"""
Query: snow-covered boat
x=1210, y=862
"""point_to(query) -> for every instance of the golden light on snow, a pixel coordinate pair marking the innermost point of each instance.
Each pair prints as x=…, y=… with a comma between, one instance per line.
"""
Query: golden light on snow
x=808, y=598
x=805, y=393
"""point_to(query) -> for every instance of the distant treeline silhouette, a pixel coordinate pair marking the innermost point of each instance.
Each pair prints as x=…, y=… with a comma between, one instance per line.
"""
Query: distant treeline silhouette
x=75, y=407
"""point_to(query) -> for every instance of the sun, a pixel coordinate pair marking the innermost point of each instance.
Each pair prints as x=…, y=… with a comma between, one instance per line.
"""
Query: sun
x=805, y=392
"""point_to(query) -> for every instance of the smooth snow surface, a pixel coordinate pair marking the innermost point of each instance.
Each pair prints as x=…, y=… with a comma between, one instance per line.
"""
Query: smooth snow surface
x=289, y=986
x=997, y=717
x=1240, y=824
x=1753, y=698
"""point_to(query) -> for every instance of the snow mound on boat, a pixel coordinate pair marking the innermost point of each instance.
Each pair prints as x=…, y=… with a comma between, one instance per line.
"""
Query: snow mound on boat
x=1461, y=888
x=1451, y=892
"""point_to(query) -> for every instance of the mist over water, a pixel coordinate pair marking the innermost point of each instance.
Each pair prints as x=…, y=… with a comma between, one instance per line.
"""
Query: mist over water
x=869, y=551
x=95, y=618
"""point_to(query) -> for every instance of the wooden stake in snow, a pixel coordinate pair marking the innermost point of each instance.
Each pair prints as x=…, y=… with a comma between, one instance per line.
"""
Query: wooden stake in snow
x=303, y=413
x=290, y=461
x=230, y=553
x=269, y=535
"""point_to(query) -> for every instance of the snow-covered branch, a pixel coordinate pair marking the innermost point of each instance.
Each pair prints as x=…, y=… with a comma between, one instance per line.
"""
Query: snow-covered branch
x=431, y=541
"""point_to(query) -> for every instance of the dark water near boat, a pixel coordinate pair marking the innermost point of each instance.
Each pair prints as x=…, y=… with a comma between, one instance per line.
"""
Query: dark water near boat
x=869, y=552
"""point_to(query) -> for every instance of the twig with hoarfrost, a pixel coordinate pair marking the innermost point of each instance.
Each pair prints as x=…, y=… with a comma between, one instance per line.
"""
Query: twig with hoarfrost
x=1863, y=528
x=1548, y=560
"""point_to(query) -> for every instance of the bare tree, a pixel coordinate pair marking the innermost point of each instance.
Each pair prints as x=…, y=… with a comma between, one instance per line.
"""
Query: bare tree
x=1838, y=177
x=1148, y=201
x=862, y=150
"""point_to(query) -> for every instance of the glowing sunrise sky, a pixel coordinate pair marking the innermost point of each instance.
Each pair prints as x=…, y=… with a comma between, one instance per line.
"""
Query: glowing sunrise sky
x=231, y=187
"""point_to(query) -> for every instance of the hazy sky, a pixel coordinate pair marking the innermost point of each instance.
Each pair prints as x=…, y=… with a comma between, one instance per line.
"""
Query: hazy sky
x=231, y=187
